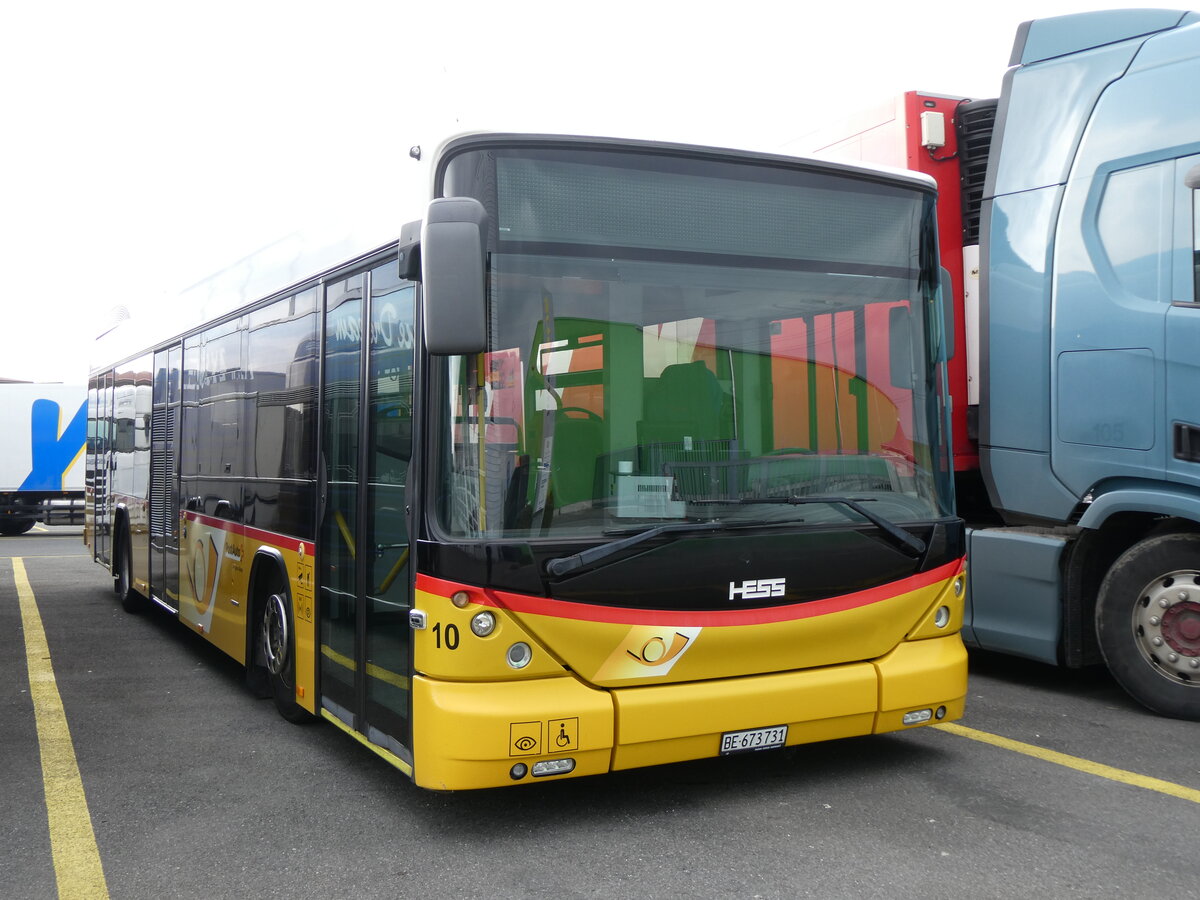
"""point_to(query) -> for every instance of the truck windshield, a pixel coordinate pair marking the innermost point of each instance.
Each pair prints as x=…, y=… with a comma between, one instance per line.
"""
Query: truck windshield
x=681, y=338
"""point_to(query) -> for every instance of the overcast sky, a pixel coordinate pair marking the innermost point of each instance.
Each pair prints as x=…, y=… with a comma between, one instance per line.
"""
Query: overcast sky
x=146, y=145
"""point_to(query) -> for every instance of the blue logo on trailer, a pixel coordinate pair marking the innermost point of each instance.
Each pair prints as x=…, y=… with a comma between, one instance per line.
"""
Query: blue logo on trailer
x=53, y=453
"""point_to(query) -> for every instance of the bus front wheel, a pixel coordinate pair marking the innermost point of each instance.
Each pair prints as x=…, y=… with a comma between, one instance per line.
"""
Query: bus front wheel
x=278, y=643
x=1148, y=623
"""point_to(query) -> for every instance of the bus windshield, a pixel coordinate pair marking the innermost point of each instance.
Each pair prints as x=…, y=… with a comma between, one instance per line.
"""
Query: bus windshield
x=677, y=338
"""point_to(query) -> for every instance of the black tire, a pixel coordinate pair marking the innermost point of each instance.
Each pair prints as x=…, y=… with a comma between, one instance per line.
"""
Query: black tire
x=131, y=600
x=1148, y=623
x=277, y=646
x=13, y=527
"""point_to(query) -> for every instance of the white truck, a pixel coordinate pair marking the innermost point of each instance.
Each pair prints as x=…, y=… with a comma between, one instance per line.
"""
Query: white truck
x=43, y=433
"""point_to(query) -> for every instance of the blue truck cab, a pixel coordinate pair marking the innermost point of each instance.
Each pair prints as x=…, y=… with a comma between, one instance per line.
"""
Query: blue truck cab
x=1089, y=409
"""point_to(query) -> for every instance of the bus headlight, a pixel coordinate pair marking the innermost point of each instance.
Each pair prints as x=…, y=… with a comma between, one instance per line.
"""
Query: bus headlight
x=483, y=623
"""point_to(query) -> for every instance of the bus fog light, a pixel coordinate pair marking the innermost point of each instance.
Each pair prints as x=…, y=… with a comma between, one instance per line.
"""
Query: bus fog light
x=460, y=599
x=519, y=771
x=519, y=655
x=941, y=713
x=553, y=767
x=941, y=618
x=917, y=716
x=483, y=624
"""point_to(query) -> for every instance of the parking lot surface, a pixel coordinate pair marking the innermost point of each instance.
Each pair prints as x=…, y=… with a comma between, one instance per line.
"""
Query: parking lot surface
x=1054, y=784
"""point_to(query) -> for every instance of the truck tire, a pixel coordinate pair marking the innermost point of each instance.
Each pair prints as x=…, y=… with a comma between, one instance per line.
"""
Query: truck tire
x=1148, y=623
x=278, y=647
x=11, y=527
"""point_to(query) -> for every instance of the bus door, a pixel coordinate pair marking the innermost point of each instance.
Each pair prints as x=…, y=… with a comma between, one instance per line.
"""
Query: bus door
x=364, y=559
x=104, y=466
x=164, y=477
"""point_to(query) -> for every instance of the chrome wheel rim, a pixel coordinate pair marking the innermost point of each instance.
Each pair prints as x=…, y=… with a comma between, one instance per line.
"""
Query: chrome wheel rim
x=1166, y=626
x=275, y=634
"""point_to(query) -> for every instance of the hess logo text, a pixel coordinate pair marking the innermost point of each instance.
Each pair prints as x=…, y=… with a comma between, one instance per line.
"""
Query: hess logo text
x=757, y=590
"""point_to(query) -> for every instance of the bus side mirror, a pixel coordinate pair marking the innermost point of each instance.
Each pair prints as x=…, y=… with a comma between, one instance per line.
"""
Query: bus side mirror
x=1192, y=178
x=453, y=276
x=948, y=312
x=900, y=348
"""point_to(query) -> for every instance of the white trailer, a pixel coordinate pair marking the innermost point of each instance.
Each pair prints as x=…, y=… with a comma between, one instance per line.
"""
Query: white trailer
x=43, y=433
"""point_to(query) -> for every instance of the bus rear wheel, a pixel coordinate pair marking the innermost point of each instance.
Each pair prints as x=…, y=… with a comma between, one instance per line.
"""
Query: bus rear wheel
x=1148, y=623
x=12, y=527
x=277, y=645
x=131, y=600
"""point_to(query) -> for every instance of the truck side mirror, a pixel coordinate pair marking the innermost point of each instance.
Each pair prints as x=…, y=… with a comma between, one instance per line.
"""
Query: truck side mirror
x=453, y=276
x=1192, y=178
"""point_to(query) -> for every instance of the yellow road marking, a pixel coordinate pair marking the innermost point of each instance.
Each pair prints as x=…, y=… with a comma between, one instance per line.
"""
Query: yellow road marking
x=47, y=556
x=1075, y=762
x=77, y=865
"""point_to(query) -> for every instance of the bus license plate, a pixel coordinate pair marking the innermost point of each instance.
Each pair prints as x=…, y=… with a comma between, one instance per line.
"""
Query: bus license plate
x=753, y=739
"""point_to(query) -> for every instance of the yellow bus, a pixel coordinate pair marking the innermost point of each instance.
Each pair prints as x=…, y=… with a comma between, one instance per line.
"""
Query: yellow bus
x=627, y=453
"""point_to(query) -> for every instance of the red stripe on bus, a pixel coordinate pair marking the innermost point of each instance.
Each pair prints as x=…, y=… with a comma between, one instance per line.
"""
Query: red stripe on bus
x=280, y=541
x=546, y=606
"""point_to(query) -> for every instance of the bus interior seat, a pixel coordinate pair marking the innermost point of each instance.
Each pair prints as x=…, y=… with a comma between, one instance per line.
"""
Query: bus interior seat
x=578, y=446
x=685, y=402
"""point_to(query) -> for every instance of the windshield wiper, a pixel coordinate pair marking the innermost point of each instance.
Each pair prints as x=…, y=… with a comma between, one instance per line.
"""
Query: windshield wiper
x=897, y=535
x=562, y=565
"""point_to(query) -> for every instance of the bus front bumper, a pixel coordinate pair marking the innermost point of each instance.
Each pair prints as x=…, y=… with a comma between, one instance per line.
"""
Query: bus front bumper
x=490, y=734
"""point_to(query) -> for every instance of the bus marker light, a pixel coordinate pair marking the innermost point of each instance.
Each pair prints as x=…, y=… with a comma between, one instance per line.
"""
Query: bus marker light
x=460, y=599
x=519, y=655
x=942, y=617
x=519, y=771
x=917, y=716
x=483, y=623
x=553, y=767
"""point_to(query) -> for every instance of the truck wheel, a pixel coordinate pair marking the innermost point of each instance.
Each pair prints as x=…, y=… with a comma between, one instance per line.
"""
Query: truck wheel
x=131, y=600
x=278, y=644
x=11, y=527
x=1148, y=623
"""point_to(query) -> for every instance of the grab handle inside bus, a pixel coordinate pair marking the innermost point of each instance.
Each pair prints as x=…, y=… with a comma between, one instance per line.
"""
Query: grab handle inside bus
x=453, y=276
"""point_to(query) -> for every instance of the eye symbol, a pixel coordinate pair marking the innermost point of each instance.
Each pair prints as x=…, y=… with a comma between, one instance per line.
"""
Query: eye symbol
x=526, y=743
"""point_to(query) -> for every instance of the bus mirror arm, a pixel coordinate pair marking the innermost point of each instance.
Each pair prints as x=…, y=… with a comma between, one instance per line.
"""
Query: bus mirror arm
x=454, y=275
x=409, y=251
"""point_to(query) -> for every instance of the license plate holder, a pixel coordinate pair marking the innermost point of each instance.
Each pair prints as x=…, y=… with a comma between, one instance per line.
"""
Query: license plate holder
x=753, y=739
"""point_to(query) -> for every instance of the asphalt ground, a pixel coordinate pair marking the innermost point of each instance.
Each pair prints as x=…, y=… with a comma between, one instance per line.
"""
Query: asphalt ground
x=191, y=787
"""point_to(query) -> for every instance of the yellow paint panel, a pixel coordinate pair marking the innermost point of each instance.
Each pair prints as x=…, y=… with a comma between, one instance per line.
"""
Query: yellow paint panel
x=918, y=674
x=469, y=735
x=612, y=655
x=448, y=648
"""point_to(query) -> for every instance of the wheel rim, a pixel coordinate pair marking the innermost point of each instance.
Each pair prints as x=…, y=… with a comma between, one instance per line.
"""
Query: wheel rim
x=275, y=634
x=1166, y=626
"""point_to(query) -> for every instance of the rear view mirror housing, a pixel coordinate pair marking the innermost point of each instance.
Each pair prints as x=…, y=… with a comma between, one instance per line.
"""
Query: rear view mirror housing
x=454, y=276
